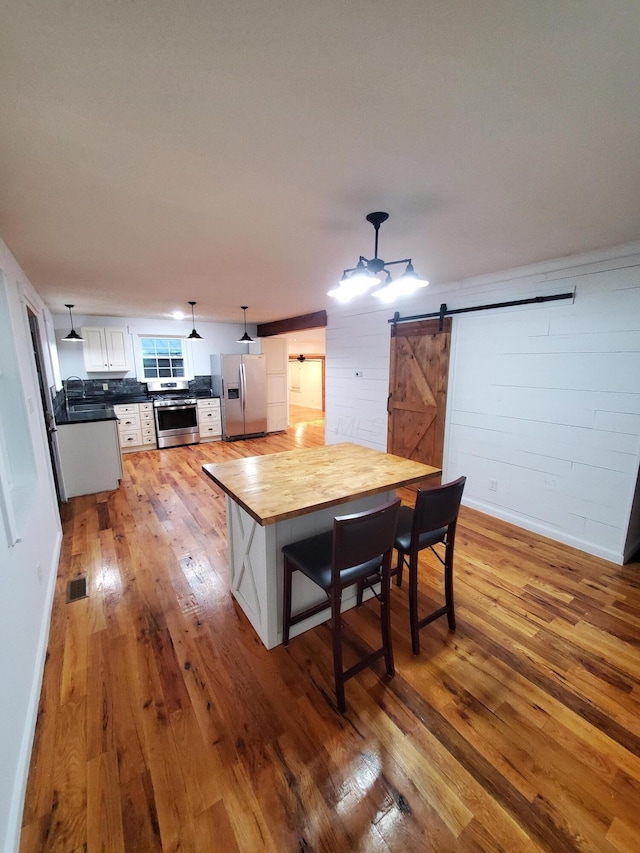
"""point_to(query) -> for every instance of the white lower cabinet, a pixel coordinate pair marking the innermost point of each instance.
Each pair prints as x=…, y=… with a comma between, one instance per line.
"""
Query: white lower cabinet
x=89, y=457
x=209, y=419
x=147, y=425
x=136, y=426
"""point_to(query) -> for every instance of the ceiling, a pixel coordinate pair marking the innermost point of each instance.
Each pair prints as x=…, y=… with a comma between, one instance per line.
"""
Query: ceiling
x=227, y=152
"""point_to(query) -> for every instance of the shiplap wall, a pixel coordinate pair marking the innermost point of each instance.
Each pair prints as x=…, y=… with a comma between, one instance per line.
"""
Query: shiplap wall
x=544, y=399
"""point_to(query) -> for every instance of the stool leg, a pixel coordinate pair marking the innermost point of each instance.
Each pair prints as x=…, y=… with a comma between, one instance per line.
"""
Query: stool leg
x=338, y=673
x=399, y=568
x=286, y=605
x=385, y=622
x=448, y=587
x=413, y=603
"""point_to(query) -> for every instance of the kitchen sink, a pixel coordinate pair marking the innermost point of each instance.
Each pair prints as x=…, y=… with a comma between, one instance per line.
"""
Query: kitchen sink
x=88, y=407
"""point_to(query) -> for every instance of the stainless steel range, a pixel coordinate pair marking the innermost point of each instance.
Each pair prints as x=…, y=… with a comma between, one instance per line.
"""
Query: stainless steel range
x=176, y=413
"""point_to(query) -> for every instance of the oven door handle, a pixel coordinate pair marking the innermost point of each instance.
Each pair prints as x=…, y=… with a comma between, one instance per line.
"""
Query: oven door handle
x=175, y=408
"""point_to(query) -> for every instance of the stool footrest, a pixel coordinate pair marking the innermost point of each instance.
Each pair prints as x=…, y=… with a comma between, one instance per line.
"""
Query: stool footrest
x=433, y=616
x=310, y=611
x=363, y=664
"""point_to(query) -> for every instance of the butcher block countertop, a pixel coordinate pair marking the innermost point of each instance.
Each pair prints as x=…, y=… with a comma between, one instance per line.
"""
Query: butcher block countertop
x=279, y=486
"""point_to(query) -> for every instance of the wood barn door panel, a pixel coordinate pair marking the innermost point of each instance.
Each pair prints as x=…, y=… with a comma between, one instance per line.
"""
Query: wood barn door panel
x=418, y=376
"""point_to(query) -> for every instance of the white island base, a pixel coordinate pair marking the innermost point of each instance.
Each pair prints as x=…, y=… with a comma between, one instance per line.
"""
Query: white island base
x=255, y=555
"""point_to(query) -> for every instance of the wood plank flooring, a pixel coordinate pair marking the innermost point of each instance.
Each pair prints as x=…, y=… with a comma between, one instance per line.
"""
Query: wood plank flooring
x=164, y=724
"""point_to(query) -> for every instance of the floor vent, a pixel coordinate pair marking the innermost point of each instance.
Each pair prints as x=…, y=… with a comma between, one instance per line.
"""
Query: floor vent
x=76, y=589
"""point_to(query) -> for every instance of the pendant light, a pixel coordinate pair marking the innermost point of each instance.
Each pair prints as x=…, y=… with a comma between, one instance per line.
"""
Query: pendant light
x=245, y=339
x=194, y=335
x=73, y=335
x=364, y=276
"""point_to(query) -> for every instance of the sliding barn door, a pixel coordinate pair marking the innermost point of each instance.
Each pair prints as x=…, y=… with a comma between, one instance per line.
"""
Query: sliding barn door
x=419, y=370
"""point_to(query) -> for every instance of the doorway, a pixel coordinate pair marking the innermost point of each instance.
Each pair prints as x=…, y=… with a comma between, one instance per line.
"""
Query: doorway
x=306, y=382
x=45, y=399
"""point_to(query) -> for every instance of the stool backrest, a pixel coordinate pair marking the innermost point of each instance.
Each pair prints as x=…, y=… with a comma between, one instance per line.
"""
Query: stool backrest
x=437, y=507
x=364, y=536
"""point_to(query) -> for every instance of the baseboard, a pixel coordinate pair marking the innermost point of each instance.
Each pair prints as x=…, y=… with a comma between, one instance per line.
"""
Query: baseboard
x=543, y=530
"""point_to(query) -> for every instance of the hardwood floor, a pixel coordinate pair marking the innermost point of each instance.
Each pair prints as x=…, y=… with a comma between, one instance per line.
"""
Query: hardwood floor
x=164, y=724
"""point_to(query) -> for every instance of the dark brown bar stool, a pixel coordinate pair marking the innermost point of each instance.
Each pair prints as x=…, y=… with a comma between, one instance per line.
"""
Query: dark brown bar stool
x=359, y=547
x=432, y=521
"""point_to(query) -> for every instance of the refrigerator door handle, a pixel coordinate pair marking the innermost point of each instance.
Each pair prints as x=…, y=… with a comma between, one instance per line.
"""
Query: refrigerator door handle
x=243, y=387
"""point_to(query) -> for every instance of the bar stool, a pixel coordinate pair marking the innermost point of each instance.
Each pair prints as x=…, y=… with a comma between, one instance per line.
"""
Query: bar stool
x=432, y=521
x=359, y=547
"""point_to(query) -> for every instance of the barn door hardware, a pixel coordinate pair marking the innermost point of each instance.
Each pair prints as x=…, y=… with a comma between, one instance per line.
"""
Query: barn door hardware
x=448, y=312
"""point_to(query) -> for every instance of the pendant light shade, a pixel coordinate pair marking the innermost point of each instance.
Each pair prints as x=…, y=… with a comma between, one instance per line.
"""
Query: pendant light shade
x=73, y=335
x=245, y=339
x=194, y=335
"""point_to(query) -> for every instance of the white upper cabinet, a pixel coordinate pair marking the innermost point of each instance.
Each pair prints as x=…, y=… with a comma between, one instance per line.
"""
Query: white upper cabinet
x=105, y=349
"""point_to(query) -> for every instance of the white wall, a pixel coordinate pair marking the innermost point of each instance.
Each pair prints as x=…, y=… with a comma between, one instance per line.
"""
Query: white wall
x=27, y=569
x=217, y=338
x=305, y=383
x=545, y=399
x=305, y=378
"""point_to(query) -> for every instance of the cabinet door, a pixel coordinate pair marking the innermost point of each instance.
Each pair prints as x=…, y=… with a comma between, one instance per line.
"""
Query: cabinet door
x=104, y=349
x=276, y=354
x=116, y=349
x=94, y=349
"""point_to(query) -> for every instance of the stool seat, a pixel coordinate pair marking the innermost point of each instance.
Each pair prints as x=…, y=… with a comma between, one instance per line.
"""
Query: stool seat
x=403, y=532
x=313, y=557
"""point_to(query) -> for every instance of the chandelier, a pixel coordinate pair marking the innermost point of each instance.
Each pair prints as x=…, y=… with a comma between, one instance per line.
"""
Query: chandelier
x=364, y=276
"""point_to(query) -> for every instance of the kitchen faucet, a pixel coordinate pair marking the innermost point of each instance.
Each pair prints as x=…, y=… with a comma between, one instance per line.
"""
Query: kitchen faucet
x=66, y=390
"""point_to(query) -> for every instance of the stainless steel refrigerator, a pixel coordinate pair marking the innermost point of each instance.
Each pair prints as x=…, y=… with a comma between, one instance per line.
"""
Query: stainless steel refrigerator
x=241, y=382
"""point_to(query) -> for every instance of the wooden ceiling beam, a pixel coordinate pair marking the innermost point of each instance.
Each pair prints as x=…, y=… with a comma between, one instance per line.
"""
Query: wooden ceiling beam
x=316, y=320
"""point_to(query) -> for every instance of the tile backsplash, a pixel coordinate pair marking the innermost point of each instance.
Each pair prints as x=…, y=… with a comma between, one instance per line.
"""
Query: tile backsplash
x=94, y=388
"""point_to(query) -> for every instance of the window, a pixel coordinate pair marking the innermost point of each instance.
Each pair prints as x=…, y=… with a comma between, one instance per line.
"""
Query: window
x=162, y=357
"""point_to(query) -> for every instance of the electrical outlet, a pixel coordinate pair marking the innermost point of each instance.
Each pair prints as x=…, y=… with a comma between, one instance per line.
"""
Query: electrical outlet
x=105, y=386
x=493, y=485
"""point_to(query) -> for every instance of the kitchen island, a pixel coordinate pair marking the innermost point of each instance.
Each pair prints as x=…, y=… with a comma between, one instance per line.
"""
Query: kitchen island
x=282, y=497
